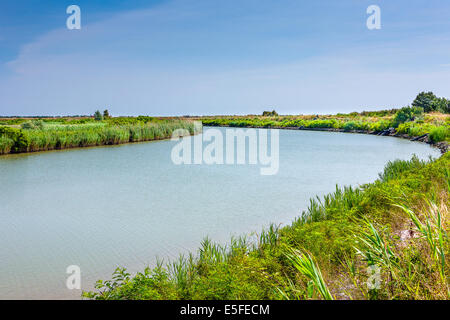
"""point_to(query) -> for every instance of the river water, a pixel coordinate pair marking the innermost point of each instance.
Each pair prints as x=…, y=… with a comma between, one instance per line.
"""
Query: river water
x=99, y=208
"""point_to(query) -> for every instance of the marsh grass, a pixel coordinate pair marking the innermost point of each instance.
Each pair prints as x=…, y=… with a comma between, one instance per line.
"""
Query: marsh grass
x=6, y=145
x=437, y=125
x=53, y=136
x=393, y=169
x=343, y=199
x=430, y=224
x=305, y=264
x=440, y=133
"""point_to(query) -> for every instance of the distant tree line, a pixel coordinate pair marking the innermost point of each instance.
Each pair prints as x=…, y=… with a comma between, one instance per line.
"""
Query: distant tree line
x=429, y=102
x=425, y=102
x=99, y=116
x=272, y=113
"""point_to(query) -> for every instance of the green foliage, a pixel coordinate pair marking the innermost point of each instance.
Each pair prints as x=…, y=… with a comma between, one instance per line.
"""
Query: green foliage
x=432, y=229
x=407, y=114
x=441, y=105
x=19, y=140
x=34, y=124
x=133, y=120
x=425, y=100
x=6, y=144
x=272, y=113
x=98, y=115
x=373, y=248
x=343, y=199
x=429, y=102
x=355, y=125
x=440, y=133
x=60, y=136
x=380, y=113
x=394, y=169
x=307, y=266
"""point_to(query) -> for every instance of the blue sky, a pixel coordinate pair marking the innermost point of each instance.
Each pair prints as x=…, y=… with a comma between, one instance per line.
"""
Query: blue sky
x=198, y=57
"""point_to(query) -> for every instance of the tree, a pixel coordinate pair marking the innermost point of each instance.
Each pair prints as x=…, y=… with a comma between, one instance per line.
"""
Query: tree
x=407, y=114
x=425, y=100
x=270, y=113
x=441, y=105
x=106, y=114
x=98, y=116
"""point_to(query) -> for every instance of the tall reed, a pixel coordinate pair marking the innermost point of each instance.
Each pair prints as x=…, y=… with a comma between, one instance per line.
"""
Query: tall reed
x=57, y=136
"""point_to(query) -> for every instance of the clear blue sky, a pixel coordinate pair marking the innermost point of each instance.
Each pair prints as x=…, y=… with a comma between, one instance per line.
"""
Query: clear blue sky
x=220, y=57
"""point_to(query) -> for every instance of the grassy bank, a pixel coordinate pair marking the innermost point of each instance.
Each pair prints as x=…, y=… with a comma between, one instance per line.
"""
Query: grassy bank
x=428, y=117
x=20, y=135
x=396, y=225
x=436, y=125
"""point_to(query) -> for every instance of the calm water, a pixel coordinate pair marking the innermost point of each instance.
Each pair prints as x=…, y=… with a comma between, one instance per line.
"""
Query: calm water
x=104, y=207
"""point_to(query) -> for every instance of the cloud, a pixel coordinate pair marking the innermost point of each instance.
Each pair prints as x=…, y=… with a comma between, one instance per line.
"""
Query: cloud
x=190, y=58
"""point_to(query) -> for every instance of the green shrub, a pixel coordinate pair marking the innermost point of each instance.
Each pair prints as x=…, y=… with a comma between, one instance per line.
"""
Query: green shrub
x=407, y=114
x=98, y=115
x=6, y=144
x=441, y=133
x=21, y=141
x=34, y=124
x=394, y=169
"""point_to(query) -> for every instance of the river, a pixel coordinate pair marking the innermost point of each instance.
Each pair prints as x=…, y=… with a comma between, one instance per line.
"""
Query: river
x=99, y=208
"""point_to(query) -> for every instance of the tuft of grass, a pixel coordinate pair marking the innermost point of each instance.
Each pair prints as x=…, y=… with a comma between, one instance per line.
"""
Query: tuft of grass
x=393, y=169
x=374, y=249
x=431, y=228
x=306, y=265
x=6, y=145
x=440, y=133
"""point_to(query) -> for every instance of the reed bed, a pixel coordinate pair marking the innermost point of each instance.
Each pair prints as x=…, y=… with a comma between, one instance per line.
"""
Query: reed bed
x=57, y=136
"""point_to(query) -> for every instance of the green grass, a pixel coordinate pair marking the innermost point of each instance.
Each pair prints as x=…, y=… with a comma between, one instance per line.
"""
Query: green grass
x=56, y=135
x=326, y=252
x=6, y=144
x=440, y=133
x=435, y=124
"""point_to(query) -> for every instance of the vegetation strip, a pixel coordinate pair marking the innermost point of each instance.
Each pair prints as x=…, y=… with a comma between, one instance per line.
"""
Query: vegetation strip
x=426, y=120
x=55, y=134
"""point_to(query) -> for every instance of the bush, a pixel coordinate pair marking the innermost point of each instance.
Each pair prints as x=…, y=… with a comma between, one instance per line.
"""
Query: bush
x=98, y=115
x=441, y=105
x=34, y=124
x=407, y=114
x=5, y=145
x=355, y=125
x=439, y=134
x=394, y=169
x=20, y=140
x=272, y=113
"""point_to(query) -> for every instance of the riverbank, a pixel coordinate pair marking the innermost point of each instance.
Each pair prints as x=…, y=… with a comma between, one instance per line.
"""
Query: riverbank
x=394, y=229
x=443, y=146
x=39, y=135
x=432, y=128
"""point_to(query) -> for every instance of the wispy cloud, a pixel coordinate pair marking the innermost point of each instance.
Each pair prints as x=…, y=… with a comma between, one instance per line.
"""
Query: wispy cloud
x=190, y=57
